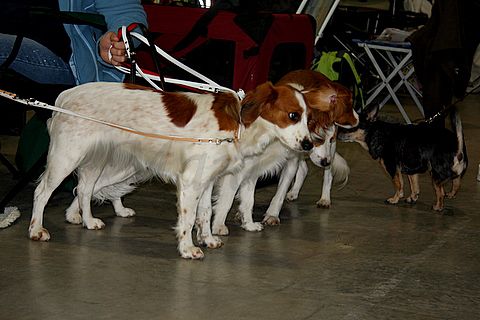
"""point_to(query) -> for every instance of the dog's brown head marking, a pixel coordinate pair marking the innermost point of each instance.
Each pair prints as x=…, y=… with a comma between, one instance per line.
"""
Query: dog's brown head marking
x=276, y=104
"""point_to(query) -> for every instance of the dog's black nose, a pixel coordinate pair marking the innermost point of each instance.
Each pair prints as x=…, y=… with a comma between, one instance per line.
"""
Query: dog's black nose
x=324, y=162
x=307, y=145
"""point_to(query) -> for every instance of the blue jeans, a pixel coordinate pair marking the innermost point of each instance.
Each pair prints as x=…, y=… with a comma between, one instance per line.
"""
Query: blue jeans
x=36, y=62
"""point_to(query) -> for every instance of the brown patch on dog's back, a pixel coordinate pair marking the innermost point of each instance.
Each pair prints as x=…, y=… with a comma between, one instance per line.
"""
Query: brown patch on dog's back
x=179, y=108
x=227, y=110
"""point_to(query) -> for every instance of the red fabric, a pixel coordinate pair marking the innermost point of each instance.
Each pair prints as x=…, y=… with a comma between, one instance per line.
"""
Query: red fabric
x=169, y=25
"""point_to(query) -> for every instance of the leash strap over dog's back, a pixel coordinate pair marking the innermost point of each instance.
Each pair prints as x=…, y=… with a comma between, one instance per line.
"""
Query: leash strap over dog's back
x=38, y=104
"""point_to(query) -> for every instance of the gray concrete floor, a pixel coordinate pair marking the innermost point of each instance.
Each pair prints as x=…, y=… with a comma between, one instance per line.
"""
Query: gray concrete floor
x=361, y=259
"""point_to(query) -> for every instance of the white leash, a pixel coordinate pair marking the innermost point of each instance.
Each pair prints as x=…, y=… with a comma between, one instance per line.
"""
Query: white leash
x=208, y=85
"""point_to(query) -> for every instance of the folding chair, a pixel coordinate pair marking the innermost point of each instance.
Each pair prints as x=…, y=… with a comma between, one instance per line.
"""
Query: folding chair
x=392, y=62
x=322, y=11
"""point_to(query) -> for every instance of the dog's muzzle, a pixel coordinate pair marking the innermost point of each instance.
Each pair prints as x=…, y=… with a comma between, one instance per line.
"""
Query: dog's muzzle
x=307, y=144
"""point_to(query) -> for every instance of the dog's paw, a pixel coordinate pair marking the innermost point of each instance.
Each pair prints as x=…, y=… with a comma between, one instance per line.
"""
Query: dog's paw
x=450, y=195
x=252, y=226
x=324, y=203
x=411, y=200
x=211, y=242
x=39, y=234
x=73, y=217
x=125, y=213
x=94, y=224
x=271, y=221
x=437, y=208
x=291, y=196
x=194, y=253
x=392, y=200
x=221, y=230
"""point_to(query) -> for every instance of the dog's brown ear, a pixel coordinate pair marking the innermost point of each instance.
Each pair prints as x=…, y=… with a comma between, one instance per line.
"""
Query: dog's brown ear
x=255, y=100
x=321, y=99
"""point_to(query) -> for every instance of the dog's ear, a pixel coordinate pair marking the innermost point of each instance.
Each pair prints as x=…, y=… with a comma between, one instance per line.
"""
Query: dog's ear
x=256, y=100
x=371, y=113
x=322, y=99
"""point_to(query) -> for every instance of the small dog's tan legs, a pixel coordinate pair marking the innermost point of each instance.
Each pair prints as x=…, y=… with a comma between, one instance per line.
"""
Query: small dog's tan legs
x=439, y=195
x=414, y=188
x=398, y=185
x=455, y=188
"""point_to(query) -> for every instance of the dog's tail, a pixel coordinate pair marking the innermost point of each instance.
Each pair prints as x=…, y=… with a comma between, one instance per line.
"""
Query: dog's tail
x=340, y=170
x=460, y=162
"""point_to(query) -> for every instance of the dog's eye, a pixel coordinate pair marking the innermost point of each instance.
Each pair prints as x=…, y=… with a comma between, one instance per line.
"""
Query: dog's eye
x=294, y=116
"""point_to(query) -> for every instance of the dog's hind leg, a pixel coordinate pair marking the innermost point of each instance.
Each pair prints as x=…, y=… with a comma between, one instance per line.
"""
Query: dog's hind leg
x=455, y=188
x=227, y=188
x=414, y=188
x=299, y=179
x=108, y=178
x=245, y=209
x=439, y=196
x=87, y=178
x=398, y=185
x=59, y=166
x=204, y=216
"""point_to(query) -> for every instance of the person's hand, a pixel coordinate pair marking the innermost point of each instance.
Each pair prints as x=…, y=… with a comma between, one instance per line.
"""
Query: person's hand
x=110, y=42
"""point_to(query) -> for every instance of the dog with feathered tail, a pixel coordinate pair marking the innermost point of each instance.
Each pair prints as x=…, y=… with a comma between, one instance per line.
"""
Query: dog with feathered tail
x=414, y=149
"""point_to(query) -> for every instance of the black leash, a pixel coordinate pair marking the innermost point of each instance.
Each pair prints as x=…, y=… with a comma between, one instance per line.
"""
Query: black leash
x=153, y=53
x=443, y=112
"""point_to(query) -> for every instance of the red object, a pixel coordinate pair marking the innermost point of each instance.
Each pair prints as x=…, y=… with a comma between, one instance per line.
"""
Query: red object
x=286, y=43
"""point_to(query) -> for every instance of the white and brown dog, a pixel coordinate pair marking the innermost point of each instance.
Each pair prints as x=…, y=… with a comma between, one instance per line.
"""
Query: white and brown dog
x=329, y=103
x=324, y=128
x=109, y=160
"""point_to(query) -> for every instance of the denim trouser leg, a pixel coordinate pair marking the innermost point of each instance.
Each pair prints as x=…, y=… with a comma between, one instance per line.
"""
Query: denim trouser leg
x=36, y=62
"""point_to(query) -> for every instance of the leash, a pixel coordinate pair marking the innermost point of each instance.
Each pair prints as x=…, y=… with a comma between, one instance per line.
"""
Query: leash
x=443, y=112
x=38, y=104
x=126, y=34
x=208, y=85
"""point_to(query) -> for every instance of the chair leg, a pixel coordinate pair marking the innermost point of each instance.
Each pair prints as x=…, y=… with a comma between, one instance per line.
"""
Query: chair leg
x=24, y=180
x=9, y=166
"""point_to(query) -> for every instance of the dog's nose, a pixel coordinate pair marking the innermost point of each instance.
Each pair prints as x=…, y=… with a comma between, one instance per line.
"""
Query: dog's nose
x=307, y=144
x=324, y=162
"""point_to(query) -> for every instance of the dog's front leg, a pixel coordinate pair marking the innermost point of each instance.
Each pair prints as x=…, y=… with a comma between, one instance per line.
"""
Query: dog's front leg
x=247, y=200
x=300, y=176
x=227, y=188
x=288, y=173
x=204, y=215
x=325, y=200
x=414, y=188
x=188, y=197
x=398, y=185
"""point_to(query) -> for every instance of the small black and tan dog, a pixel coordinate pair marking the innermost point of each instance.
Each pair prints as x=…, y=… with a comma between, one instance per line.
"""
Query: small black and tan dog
x=413, y=149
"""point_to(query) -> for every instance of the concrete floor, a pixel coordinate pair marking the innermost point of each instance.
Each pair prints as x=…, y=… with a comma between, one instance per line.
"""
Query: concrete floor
x=361, y=259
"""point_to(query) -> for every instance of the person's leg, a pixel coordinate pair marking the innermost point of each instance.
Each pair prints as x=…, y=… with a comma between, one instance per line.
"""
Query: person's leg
x=36, y=62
